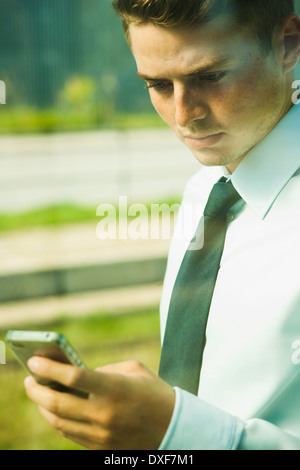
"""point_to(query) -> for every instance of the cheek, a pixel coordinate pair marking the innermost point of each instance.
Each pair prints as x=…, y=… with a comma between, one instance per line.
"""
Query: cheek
x=249, y=101
x=163, y=106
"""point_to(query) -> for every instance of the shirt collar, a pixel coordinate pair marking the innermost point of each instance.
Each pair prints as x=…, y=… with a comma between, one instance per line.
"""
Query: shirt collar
x=268, y=167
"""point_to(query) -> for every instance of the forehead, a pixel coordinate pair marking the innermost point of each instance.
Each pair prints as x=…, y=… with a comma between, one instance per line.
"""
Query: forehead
x=177, y=50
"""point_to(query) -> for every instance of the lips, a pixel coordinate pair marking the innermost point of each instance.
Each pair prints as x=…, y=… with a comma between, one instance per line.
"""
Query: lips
x=203, y=141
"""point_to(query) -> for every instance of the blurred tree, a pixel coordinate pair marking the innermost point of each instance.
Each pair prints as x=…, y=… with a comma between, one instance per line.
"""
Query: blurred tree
x=44, y=44
x=78, y=92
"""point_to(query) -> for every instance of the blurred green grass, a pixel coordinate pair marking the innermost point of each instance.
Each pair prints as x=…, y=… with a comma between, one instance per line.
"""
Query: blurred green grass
x=33, y=121
x=47, y=216
x=99, y=339
x=59, y=215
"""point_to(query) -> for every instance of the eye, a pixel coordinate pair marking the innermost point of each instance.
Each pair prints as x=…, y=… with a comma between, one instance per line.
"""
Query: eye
x=160, y=86
x=214, y=77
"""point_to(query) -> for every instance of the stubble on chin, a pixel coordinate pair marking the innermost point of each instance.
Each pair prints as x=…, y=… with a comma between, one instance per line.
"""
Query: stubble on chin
x=210, y=158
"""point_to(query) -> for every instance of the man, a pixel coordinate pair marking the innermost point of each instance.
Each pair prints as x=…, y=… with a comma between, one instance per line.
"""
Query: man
x=220, y=73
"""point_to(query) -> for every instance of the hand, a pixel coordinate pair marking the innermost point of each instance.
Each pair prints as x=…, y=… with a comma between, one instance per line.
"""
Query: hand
x=128, y=408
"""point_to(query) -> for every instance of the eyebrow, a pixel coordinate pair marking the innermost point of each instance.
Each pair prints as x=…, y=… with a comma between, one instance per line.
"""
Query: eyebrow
x=197, y=71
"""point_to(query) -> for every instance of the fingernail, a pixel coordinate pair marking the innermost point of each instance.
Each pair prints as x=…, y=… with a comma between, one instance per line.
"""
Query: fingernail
x=27, y=381
x=33, y=364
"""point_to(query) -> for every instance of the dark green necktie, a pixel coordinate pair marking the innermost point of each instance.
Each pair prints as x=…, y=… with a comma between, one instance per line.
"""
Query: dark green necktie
x=184, y=339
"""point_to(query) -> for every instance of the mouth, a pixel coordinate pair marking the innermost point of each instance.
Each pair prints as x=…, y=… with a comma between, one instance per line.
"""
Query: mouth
x=207, y=141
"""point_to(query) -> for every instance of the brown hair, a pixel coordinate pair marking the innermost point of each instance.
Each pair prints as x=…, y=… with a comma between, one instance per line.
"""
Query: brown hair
x=262, y=16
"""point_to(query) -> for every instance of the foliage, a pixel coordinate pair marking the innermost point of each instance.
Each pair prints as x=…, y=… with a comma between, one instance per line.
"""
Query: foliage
x=35, y=121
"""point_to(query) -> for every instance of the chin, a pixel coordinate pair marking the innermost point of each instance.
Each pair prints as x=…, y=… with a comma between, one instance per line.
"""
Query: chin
x=209, y=158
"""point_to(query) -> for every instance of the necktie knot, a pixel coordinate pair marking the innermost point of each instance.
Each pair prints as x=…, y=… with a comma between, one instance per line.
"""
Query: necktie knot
x=222, y=197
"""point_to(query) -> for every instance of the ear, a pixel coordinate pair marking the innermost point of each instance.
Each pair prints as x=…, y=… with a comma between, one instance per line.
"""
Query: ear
x=289, y=36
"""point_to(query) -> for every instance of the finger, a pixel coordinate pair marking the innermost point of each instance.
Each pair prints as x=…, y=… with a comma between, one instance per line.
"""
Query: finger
x=132, y=367
x=85, y=380
x=82, y=442
x=62, y=404
x=88, y=444
x=82, y=433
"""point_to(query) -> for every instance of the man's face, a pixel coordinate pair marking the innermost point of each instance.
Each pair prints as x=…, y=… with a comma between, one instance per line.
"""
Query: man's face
x=212, y=86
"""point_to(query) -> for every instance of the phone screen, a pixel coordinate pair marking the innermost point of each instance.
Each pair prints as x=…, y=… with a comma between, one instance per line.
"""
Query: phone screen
x=25, y=351
x=54, y=346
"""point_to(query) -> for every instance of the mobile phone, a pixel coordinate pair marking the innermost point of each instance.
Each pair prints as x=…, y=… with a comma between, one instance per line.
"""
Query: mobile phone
x=50, y=344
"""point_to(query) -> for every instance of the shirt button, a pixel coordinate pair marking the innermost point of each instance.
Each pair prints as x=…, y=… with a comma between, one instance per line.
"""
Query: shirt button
x=230, y=218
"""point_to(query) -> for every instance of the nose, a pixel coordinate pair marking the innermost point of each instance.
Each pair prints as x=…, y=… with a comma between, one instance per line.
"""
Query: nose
x=189, y=105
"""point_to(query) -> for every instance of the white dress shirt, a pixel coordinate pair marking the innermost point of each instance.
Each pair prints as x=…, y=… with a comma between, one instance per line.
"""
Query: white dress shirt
x=249, y=393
